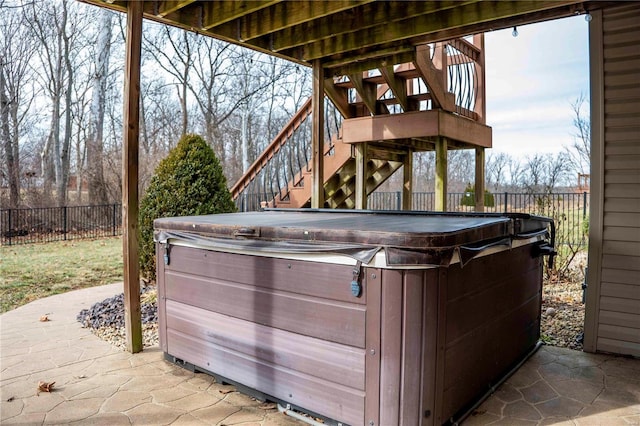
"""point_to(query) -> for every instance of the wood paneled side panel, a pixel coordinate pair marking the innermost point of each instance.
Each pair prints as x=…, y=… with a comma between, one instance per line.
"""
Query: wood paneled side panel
x=625, y=334
x=391, y=346
x=430, y=346
x=315, y=394
x=496, y=283
x=371, y=280
x=162, y=325
x=336, y=363
x=496, y=302
x=330, y=320
x=474, y=364
x=486, y=271
x=412, y=320
x=620, y=318
x=330, y=281
x=622, y=219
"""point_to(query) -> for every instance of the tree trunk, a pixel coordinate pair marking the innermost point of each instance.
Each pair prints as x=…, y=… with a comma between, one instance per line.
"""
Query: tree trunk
x=96, y=183
x=13, y=168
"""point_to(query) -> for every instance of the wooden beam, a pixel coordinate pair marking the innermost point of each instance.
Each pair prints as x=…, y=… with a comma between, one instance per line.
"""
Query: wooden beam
x=287, y=17
x=441, y=175
x=479, y=180
x=361, y=176
x=423, y=26
x=398, y=86
x=434, y=78
x=365, y=16
x=367, y=92
x=218, y=12
x=407, y=179
x=370, y=60
x=317, y=136
x=164, y=8
x=338, y=95
x=416, y=124
x=131, y=116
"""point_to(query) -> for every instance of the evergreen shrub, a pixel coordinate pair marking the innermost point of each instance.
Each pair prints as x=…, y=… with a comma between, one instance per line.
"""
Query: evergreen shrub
x=189, y=181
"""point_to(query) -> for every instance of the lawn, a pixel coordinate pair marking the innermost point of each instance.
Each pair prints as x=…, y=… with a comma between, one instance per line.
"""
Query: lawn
x=32, y=271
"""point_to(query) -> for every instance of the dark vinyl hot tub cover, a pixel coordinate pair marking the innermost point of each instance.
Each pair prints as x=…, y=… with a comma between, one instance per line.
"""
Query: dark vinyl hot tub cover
x=408, y=239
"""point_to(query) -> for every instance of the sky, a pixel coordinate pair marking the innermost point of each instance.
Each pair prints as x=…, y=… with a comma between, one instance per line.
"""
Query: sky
x=532, y=80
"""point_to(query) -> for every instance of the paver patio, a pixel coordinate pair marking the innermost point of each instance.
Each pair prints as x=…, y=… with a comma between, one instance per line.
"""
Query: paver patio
x=96, y=383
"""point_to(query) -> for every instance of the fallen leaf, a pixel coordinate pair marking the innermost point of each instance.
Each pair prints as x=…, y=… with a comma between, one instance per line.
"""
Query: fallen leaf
x=45, y=387
x=226, y=391
x=44, y=318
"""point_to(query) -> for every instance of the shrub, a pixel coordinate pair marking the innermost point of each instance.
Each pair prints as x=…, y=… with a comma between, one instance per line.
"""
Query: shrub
x=468, y=198
x=189, y=181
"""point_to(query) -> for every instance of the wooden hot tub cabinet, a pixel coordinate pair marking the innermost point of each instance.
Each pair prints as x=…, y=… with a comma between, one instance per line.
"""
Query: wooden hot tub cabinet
x=361, y=318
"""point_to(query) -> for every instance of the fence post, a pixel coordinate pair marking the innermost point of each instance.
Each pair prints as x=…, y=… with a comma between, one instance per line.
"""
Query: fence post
x=64, y=220
x=584, y=205
x=113, y=219
x=10, y=229
x=506, y=198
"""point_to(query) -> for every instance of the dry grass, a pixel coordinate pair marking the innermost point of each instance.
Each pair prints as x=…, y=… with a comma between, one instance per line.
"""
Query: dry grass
x=32, y=271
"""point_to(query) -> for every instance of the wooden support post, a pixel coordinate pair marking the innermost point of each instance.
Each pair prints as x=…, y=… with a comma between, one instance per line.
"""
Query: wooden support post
x=361, y=176
x=133, y=322
x=407, y=180
x=479, y=187
x=317, y=136
x=441, y=175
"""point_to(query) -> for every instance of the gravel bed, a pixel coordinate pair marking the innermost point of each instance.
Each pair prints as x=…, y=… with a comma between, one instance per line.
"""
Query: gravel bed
x=106, y=318
x=562, y=319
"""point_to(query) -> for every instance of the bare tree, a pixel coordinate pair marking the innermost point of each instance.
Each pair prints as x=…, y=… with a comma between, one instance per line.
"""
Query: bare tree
x=173, y=51
x=97, y=189
x=544, y=172
x=579, y=153
x=16, y=94
x=496, y=170
x=56, y=29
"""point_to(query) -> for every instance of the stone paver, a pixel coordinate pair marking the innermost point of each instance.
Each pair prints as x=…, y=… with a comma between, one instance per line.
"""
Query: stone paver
x=97, y=384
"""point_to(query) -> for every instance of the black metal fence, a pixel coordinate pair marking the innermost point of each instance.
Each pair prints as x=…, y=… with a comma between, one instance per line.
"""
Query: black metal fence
x=39, y=225
x=569, y=210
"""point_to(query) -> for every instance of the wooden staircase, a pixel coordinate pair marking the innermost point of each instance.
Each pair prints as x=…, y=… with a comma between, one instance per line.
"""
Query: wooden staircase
x=388, y=113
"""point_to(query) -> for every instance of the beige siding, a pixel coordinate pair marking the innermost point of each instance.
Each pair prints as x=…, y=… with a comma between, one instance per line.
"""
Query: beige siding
x=618, y=316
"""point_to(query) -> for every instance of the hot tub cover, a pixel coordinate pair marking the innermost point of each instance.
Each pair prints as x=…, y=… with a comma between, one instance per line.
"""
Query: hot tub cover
x=408, y=238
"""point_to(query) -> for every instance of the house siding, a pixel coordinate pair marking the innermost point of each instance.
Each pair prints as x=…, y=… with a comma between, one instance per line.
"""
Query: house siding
x=612, y=321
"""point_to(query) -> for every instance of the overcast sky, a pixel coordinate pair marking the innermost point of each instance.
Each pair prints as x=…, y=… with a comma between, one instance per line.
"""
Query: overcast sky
x=532, y=80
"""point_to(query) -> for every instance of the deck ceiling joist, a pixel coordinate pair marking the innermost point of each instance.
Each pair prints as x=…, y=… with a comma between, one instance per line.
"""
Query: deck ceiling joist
x=341, y=33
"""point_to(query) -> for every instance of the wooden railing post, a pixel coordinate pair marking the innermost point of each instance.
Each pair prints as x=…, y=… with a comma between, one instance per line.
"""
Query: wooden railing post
x=317, y=136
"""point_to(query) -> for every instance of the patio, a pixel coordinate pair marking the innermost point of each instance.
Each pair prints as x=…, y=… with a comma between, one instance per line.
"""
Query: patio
x=96, y=383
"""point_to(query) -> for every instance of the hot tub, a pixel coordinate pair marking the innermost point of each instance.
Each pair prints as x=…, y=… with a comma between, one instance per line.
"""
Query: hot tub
x=362, y=318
